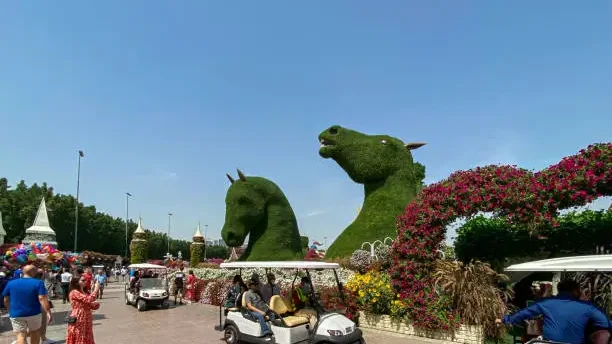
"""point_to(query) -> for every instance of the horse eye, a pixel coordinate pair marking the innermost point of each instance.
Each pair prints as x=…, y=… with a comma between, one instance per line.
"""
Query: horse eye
x=384, y=142
x=244, y=201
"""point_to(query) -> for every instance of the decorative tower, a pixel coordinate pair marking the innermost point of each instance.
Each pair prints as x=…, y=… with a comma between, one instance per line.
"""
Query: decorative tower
x=41, y=231
x=2, y=231
x=197, y=248
x=139, y=246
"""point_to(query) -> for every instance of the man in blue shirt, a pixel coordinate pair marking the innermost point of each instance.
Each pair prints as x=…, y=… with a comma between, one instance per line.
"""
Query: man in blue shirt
x=566, y=318
x=24, y=298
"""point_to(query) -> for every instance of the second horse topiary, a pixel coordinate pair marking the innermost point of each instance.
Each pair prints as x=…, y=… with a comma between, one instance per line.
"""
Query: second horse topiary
x=384, y=165
x=258, y=208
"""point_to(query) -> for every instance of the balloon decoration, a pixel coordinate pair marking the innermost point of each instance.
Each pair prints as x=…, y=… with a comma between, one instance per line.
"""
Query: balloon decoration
x=37, y=252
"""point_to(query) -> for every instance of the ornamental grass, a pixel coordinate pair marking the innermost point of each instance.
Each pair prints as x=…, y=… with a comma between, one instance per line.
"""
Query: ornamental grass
x=473, y=291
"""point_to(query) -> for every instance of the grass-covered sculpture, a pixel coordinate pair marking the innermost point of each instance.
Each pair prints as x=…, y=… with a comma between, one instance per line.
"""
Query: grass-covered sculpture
x=139, y=246
x=384, y=165
x=257, y=207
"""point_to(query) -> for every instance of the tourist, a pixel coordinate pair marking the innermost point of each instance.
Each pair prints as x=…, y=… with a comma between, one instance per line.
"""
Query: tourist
x=302, y=300
x=135, y=283
x=3, y=281
x=49, y=279
x=178, y=285
x=191, y=280
x=301, y=294
x=566, y=318
x=89, y=278
x=66, y=277
x=80, y=321
x=100, y=278
x=124, y=273
x=233, y=295
x=270, y=289
x=43, y=326
x=258, y=308
x=25, y=297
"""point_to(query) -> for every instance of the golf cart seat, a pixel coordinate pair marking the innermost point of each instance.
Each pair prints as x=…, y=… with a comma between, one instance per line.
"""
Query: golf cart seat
x=279, y=307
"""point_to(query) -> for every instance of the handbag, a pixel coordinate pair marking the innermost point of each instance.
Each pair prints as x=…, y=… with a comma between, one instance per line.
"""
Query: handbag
x=70, y=319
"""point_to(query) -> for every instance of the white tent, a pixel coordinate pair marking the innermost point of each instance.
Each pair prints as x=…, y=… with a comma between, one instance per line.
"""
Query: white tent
x=600, y=262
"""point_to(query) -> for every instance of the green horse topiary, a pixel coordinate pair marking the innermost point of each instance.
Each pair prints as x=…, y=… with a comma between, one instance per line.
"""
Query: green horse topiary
x=384, y=165
x=258, y=207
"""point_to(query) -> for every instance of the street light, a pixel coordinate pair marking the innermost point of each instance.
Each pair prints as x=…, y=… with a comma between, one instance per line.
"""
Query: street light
x=169, y=215
x=76, y=209
x=127, y=216
x=205, y=240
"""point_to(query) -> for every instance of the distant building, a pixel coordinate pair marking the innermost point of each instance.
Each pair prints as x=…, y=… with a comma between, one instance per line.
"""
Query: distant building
x=215, y=242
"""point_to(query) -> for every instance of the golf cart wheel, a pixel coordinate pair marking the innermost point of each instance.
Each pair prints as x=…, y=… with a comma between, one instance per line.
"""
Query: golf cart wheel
x=127, y=301
x=141, y=305
x=231, y=334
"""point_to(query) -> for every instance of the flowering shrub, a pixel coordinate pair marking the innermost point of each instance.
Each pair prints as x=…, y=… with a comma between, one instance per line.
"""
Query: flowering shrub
x=320, y=279
x=373, y=291
x=361, y=260
x=215, y=291
x=333, y=301
x=523, y=197
x=383, y=252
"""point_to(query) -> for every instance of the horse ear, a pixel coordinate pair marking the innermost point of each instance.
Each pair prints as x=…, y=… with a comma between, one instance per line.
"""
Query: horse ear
x=241, y=176
x=230, y=178
x=415, y=145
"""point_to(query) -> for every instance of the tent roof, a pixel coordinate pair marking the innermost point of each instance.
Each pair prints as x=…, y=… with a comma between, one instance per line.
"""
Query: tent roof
x=600, y=262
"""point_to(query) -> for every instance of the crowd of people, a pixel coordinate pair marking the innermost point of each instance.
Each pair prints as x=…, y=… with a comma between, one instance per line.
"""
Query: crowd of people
x=27, y=294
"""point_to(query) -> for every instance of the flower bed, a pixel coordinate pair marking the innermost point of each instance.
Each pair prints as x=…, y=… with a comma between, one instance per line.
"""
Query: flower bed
x=212, y=285
x=522, y=196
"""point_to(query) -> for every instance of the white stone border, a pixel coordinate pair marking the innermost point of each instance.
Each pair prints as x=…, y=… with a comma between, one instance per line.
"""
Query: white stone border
x=464, y=334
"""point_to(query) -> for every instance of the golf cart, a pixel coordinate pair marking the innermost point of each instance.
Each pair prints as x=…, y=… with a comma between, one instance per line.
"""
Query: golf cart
x=557, y=267
x=291, y=326
x=150, y=291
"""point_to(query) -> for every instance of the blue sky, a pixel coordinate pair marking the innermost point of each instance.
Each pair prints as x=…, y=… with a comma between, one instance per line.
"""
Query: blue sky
x=166, y=97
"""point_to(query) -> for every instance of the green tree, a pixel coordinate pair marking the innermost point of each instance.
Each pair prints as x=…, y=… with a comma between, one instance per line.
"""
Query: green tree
x=98, y=232
x=495, y=241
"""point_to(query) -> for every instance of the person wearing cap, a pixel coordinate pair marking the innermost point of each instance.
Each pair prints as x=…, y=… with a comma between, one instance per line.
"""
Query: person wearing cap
x=270, y=289
x=258, y=308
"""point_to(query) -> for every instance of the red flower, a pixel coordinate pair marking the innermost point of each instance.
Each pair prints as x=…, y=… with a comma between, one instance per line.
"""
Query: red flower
x=524, y=197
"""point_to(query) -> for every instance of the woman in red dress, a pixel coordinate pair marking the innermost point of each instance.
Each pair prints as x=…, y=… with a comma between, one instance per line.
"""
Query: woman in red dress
x=191, y=279
x=81, y=331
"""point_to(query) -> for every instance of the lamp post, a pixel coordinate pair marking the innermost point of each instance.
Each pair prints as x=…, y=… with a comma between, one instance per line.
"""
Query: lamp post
x=205, y=240
x=76, y=208
x=169, y=216
x=127, y=216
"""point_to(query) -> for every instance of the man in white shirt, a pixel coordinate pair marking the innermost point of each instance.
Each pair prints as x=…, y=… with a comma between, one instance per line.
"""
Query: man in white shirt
x=65, y=278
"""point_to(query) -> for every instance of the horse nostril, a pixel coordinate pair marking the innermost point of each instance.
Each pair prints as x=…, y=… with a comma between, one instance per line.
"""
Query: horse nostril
x=333, y=130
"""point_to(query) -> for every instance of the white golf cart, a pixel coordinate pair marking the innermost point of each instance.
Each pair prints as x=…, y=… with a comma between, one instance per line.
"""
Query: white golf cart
x=151, y=291
x=291, y=327
x=558, y=266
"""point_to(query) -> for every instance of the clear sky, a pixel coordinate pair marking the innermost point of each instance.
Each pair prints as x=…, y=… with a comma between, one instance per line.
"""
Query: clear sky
x=165, y=97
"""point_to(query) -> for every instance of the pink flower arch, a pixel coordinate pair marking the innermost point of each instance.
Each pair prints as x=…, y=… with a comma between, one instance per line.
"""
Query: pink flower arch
x=522, y=196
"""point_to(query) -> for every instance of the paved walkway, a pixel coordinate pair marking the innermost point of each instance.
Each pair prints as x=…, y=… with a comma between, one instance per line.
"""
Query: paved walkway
x=116, y=323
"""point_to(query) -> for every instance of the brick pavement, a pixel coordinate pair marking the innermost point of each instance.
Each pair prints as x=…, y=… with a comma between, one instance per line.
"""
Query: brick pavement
x=116, y=323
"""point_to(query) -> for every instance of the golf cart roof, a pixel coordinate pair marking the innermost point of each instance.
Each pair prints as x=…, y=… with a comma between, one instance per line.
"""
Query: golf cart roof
x=600, y=262
x=280, y=265
x=146, y=266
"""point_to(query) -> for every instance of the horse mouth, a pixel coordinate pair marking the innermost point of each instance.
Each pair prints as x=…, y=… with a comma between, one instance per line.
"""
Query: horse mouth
x=327, y=147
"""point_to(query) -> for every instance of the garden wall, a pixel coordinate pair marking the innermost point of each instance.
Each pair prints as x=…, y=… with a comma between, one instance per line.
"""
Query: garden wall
x=464, y=334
